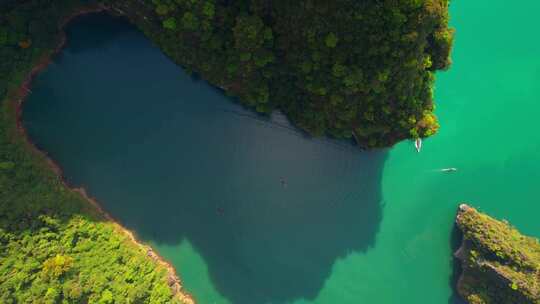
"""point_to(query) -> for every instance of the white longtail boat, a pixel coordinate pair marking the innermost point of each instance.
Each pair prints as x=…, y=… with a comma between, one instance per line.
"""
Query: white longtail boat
x=418, y=144
x=449, y=170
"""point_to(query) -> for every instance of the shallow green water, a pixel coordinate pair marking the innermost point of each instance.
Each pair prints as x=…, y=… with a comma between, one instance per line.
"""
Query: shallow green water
x=201, y=179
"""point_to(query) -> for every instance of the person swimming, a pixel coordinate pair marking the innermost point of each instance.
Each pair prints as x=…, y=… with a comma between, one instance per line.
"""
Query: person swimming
x=283, y=182
x=220, y=210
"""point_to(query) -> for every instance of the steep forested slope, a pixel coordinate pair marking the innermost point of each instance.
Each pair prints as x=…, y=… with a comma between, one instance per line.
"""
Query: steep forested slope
x=342, y=68
x=500, y=265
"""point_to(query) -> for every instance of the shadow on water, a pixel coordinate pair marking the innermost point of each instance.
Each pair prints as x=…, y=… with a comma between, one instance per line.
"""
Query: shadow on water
x=265, y=250
x=95, y=42
x=269, y=210
x=455, y=242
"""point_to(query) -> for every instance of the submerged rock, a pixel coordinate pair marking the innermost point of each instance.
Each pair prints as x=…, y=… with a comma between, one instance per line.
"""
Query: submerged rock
x=499, y=265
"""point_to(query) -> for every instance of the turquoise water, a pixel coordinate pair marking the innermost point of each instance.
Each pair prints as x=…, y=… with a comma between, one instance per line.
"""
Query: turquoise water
x=251, y=211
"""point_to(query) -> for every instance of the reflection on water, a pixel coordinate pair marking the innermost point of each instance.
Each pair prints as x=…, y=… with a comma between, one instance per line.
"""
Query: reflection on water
x=267, y=208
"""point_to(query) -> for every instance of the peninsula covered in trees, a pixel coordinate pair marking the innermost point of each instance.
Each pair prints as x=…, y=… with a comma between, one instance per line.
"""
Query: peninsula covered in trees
x=347, y=69
x=499, y=264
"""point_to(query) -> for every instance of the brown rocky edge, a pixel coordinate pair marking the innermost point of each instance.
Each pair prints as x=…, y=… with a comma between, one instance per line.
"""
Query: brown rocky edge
x=499, y=265
x=17, y=100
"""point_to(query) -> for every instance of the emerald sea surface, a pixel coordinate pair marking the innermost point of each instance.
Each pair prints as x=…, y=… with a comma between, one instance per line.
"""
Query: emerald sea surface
x=250, y=210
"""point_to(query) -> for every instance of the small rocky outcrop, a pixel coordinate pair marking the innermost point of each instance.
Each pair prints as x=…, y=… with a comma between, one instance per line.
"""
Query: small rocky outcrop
x=499, y=264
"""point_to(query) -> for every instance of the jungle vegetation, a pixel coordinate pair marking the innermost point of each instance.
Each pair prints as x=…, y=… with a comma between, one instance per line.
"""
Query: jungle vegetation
x=343, y=68
x=55, y=247
x=362, y=69
x=500, y=265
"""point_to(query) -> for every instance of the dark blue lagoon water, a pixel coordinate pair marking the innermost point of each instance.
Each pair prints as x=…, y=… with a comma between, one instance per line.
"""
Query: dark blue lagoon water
x=247, y=208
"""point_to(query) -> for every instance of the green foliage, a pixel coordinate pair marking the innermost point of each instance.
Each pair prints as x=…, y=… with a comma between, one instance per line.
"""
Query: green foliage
x=106, y=297
x=54, y=246
x=331, y=40
x=500, y=265
x=3, y=36
x=209, y=9
x=162, y=9
x=475, y=299
x=56, y=266
x=169, y=23
x=190, y=21
x=6, y=165
x=296, y=56
x=248, y=33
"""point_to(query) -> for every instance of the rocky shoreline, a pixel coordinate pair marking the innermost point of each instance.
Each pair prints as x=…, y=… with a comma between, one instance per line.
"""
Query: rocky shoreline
x=173, y=280
x=499, y=265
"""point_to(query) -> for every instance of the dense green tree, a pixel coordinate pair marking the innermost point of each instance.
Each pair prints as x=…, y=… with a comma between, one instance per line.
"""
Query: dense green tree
x=169, y=23
x=331, y=40
x=190, y=21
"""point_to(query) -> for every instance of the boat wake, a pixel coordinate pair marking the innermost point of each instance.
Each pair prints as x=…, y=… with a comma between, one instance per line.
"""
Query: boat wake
x=446, y=170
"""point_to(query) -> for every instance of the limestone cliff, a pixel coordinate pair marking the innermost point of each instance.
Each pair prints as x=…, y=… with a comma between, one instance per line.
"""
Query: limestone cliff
x=499, y=265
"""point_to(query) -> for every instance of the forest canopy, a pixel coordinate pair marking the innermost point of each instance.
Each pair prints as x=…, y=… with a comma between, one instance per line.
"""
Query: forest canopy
x=342, y=68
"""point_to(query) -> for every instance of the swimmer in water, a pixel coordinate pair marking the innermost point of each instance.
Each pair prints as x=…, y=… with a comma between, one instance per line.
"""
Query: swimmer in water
x=283, y=182
x=220, y=210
